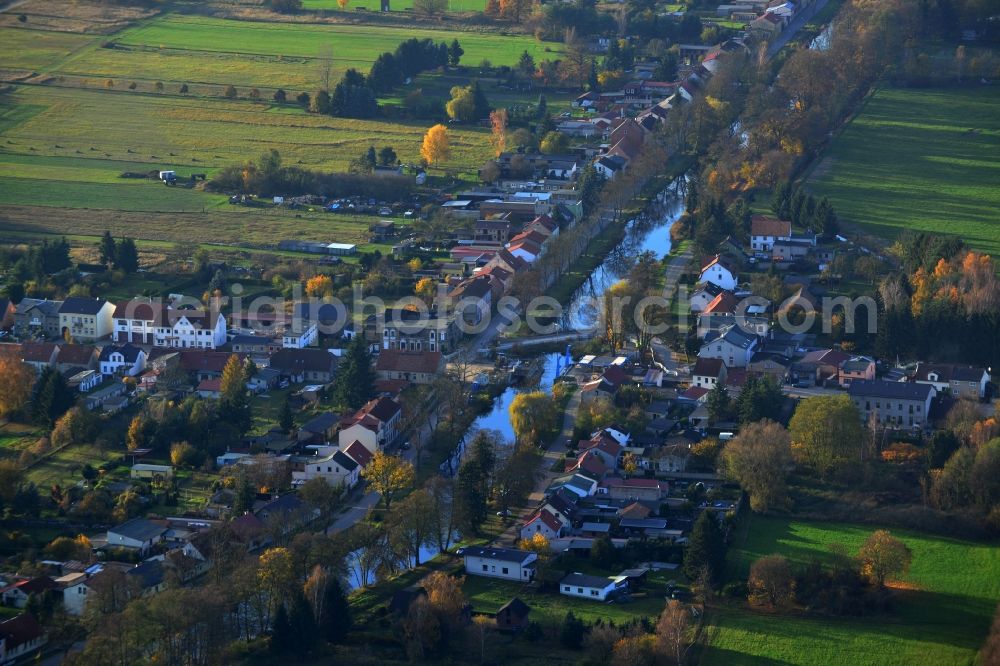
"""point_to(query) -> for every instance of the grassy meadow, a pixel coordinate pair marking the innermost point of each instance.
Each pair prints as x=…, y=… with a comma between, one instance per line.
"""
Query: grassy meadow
x=68, y=133
x=941, y=614
x=922, y=159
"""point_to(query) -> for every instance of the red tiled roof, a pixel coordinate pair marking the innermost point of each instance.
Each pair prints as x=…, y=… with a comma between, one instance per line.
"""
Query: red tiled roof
x=546, y=517
x=724, y=303
x=359, y=453
x=397, y=360
x=707, y=367
x=720, y=261
x=762, y=225
x=20, y=630
x=210, y=385
x=694, y=393
x=75, y=354
x=381, y=408
x=615, y=375
x=37, y=352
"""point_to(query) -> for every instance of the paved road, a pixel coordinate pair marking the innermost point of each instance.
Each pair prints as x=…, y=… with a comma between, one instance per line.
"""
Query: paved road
x=793, y=27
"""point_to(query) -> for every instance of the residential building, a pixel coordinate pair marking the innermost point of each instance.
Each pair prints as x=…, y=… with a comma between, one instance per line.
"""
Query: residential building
x=634, y=488
x=39, y=355
x=126, y=359
x=16, y=594
x=588, y=587
x=898, y=404
x=375, y=426
x=136, y=534
x=191, y=329
x=305, y=365
x=412, y=366
x=335, y=467
x=708, y=372
x=300, y=339
x=853, y=369
x=19, y=637
x=72, y=357
x=257, y=346
x=473, y=299
x=720, y=272
x=85, y=319
x=320, y=429
x=704, y=294
x=766, y=231
x=412, y=330
x=733, y=345
x=85, y=380
x=34, y=316
x=776, y=366
x=962, y=381
x=544, y=523
x=506, y=563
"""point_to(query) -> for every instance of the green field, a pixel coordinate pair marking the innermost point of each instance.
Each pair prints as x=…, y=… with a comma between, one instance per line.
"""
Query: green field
x=352, y=44
x=941, y=617
x=34, y=49
x=922, y=159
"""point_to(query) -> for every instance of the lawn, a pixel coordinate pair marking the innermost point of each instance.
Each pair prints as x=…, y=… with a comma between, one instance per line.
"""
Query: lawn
x=487, y=595
x=208, y=133
x=941, y=615
x=922, y=159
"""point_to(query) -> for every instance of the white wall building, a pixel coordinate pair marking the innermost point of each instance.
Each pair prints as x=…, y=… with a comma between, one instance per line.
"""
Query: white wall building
x=506, y=563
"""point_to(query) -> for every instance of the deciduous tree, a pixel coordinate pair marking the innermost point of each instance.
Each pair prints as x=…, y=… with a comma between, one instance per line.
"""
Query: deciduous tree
x=389, y=476
x=758, y=459
x=672, y=631
x=16, y=379
x=770, y=581
x=826, y=432
x=884, y=557
x=436, y=148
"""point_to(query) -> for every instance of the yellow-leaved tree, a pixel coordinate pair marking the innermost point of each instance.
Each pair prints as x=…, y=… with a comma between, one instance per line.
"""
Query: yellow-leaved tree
x=436, y=148
x=389, y=476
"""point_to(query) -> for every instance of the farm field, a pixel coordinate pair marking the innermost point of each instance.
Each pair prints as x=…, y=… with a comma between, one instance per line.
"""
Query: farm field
x=941, y=615
x=921, y=159
x=350, y=43
x=35, y=49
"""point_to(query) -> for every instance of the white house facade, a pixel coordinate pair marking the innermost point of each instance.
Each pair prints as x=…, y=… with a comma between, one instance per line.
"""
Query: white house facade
x=506, y=563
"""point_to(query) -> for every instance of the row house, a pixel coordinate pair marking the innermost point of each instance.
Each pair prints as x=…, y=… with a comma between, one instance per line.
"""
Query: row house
x=894, y=404
x=34, y=316
x=412, y=330
x=375, y=425
x=962, y=381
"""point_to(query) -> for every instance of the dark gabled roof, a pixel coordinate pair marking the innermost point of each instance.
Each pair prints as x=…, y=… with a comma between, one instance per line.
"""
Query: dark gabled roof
x=299, y=360
x=948, y=372
x=409, y=361
x=359, y=453
x=129, y=352
x=344, y=461
x=139, y=529
x=47, y=307
x=149, y=573
x=583, y=580
x=75, y=354
x=287, y=503
x=37, y=352
x=499, y=554
x=878, y=388
x=321, y=423
x=707, y=367
x=735, y=336
x=516, y=607
x=20, y=630
x=81, y=305
x=644, y=523
x=382, y=408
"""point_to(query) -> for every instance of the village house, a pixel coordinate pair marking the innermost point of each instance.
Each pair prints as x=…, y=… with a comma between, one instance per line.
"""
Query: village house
x=73, y=357
x=334, y=466
x=720, y=272
x=122, y=360
x=733, y=346
x=899, y=404
x=39, y=355
x=305, y=365
x=473, y=299
x=766, y=231
x=768, y=364
x=84, y=381
x=16, y=594
x=19, y=637
x=85, y=319
x=136, y=534
x=506, y=563
x=34, y=316
x=320, y=429
x=820, y=365
x=704, y=294
x=588, y=587
x=544, y=523
x=855, y=368
x=256, y=346
x=707, y=372
x=634, y=488
x=412, y=366
x=962, y=381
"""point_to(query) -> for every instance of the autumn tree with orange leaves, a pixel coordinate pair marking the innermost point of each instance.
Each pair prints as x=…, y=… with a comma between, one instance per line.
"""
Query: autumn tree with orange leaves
x=498, y=130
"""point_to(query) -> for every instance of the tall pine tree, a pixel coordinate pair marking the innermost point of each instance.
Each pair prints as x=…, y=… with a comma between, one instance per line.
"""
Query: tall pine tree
x=127, y=256
x=355, y=383
x=706, y=548
x=51, y=398
x=336, y=620
x=108, y=250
